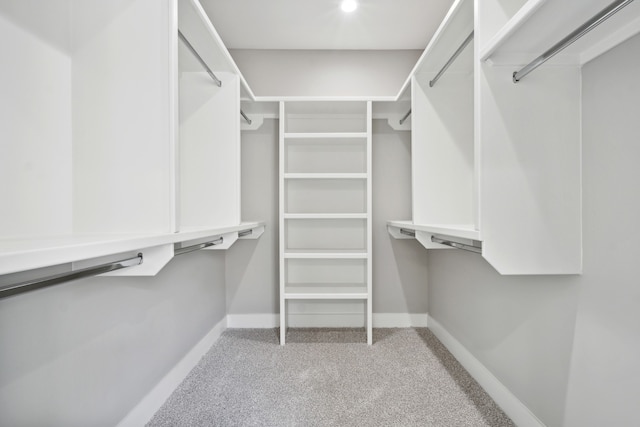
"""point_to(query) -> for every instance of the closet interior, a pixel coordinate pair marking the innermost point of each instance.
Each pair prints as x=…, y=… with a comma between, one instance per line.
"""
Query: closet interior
x=126, y=152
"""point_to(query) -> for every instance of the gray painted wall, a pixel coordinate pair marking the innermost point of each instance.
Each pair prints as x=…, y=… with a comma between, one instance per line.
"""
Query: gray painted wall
x=252, y=265
x=399, y=267
x=85, y=353
x=325, y=72
x=567, y=347
x=605, y=374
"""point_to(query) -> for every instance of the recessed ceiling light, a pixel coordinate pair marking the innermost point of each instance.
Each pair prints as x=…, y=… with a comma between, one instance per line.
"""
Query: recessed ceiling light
x=349, y=5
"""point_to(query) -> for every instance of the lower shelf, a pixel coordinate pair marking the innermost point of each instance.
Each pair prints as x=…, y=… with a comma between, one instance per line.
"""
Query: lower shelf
x=328, y=254
x=18, y=255
x=326, y=291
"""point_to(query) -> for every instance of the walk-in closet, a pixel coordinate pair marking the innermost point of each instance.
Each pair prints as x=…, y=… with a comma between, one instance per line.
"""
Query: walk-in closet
x=319, y=213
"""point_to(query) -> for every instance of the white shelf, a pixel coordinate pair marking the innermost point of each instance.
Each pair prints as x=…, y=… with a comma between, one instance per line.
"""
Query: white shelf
x=326, y=135
x=325, y=176
x=325, y=204
x=326, y=291
x=464, y=231
x=455, y=27
x=195, y=24
x=520, y=40
x=326, y=216
x=324, y=254
x=28, y=254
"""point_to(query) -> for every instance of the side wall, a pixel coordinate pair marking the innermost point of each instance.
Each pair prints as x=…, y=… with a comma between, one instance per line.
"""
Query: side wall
x=603, y=379
x=567, y=346
x=84, y=353
x=399, y=266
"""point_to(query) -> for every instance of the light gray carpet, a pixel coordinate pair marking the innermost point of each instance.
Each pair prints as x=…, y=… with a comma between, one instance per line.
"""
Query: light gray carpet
x=329, y=377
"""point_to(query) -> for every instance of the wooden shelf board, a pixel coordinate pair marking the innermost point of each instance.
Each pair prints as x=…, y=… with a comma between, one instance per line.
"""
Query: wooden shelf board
x=28, y=254
x=326, y=291
x=325, y=176
x=326, y=216
x=325, y=254
x=520, y=40
x=325, y=135
x=465, y=231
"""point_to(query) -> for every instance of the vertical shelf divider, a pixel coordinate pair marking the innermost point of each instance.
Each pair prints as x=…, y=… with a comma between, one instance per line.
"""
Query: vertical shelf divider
x=369, y=225
x=325, y=205
x=283, y=274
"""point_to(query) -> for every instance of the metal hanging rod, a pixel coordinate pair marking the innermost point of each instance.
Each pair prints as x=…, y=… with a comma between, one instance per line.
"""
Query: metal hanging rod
x=463, y=246
x=453, y=58
x=43, y=282
x=592, y=23
x=199, y=58
x=245, y=116
x=248, y=232
x=407, y=232
x=193, y=248
x=405, y=117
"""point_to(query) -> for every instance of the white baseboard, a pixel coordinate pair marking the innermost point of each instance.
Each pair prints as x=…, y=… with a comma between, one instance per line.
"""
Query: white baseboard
x=142, y=413
x=510, y=404
x=253, y=321
x=400, y=320
x=306, y=320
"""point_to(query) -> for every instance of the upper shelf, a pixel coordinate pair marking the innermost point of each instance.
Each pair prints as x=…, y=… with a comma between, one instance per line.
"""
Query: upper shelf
x=28, y=254
x=194, y=23
x=540, y=24
x=454, y=29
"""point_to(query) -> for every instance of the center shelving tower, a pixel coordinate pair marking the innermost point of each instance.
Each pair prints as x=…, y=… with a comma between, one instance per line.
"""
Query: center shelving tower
x=325, y=204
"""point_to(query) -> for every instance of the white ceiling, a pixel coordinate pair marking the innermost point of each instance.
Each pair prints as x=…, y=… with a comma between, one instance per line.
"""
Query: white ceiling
x=321, y=24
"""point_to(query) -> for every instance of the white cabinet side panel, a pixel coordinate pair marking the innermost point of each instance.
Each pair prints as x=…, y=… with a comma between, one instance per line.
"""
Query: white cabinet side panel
x=35, y=134
x=122, y=149
x=443, y=151
x=531, y=170
x=209, y=150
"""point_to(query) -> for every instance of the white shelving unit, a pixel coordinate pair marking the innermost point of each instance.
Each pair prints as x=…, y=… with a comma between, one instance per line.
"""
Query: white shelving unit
x=499, y=162
x=135, y=150
x=530, y=197
x=325, y=204
x=444, y=161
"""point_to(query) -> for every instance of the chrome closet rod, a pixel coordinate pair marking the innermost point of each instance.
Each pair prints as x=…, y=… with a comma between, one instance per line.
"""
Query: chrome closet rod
x=405, y=117
x=192, y=248
x=596, y=20
x=30, y=285
x=245, y=116
x=407, y=232
x=463, y=246
x=453, y=58
x=247, y=232
x=199, y=58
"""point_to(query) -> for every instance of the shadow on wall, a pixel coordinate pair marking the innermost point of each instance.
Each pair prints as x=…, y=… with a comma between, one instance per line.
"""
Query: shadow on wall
x=252, y=265
x=520, y=327
x=71, y=346
x=399, y=266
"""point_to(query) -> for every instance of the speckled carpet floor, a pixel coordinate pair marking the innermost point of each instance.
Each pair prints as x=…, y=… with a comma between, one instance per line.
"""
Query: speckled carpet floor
x=329, y=377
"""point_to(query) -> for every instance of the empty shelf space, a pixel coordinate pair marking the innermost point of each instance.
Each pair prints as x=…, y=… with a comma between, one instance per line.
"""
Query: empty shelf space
x=325, y=155
x=325, y=176
x=325, y=135
x=326, y=291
